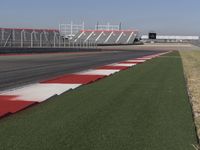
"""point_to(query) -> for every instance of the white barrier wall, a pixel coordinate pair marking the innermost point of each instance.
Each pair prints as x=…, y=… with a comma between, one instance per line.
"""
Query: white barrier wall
x=166, y=37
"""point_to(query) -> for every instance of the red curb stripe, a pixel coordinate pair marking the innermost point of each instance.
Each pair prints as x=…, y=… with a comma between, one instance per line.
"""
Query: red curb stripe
x=14, y=106
x=75, y=79
x=6, y=98
x=7, y=107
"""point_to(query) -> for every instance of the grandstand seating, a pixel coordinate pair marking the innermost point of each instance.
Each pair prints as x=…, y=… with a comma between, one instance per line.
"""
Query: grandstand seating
x=104, y=37
x=12, y=37
x=114, y=38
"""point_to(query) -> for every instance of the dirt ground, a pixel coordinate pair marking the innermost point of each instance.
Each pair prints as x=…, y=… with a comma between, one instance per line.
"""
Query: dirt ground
x=191, y=64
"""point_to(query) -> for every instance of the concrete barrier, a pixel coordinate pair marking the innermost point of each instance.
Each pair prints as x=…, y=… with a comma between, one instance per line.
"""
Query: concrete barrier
x=44, y=50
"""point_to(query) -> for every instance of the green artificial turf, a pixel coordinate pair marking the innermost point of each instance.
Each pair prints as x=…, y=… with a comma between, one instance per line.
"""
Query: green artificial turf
x=143, y=108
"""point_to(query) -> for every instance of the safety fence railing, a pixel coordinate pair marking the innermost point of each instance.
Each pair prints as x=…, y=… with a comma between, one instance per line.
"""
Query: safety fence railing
x=62, y=44
x=81, y=43
x=29, y=38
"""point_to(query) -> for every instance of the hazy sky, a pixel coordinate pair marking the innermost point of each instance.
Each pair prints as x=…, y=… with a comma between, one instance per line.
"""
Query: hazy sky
x=180, y=17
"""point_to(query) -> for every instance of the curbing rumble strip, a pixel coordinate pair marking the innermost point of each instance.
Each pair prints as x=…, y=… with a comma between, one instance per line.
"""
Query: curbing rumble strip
x=47, y=89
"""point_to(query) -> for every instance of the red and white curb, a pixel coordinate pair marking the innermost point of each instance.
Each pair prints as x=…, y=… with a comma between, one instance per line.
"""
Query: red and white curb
x=12, y=101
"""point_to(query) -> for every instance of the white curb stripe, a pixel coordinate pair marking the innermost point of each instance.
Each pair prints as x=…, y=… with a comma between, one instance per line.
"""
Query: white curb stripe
x=137, y=61
x=106, y=72
x=145, y=58
x=40, y=92
x=124, y=65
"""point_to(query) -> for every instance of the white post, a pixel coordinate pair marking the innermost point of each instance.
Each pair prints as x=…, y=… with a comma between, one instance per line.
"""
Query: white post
x=2, y=34
x=71, y=28
x=64, y=42
x=41, y=39
x=32, y=39
x=13, y=37
x=54, y=40
x=69, y=45
x=108, y=27
x=22, y=38
x=83, y=25
x=59, y=42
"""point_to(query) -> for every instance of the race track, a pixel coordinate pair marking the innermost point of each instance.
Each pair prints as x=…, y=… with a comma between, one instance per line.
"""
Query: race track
x=19, y=70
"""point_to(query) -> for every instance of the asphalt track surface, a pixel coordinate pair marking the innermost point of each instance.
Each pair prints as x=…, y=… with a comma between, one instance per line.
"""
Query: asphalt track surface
x=19, y=70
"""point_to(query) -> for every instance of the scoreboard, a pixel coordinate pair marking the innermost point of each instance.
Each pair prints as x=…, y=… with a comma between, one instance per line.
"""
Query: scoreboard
x=152, y=36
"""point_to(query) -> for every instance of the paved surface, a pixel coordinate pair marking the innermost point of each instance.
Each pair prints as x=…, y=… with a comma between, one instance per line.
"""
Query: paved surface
x=18, y=70
x=143, y=108
x=157, y=46
x=196, y=43
x=12, y=101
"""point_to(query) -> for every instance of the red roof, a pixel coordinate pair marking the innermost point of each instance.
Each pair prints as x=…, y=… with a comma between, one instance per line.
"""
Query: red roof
x=108, y=30
x=30, y=29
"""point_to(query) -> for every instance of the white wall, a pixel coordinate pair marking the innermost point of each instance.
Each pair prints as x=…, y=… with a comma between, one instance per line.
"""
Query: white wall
x=163, y=37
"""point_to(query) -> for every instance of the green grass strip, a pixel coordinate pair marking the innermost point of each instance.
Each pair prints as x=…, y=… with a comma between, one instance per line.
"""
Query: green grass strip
x=143, y=108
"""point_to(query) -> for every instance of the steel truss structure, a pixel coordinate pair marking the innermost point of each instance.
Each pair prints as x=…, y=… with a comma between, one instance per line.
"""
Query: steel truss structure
x=70, y=30
x=108, y=27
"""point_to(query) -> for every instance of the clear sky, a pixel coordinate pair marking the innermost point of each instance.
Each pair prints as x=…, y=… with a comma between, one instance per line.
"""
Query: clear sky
x=173, y=17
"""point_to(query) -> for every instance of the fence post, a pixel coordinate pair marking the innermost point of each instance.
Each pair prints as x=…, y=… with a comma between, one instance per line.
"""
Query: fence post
x=32, y=39
x=64, y=42
x=54, y=40
x=41, y=39
x=22, y=38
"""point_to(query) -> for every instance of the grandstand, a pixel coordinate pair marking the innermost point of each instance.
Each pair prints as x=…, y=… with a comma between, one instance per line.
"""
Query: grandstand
x=107, y=37
x=68, y=35
x=38, y=38
x=102, y=34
